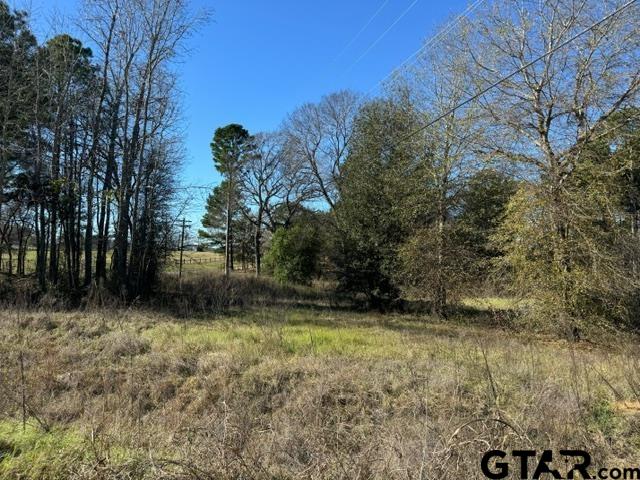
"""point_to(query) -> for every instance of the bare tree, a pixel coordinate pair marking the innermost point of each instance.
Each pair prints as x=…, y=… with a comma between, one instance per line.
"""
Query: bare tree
x=151, y=34
x=274, y=185
x=544, y=117
x=261, y=183
x=321, y=135
x=298, y=188
x=446, y=159
x=102, y=17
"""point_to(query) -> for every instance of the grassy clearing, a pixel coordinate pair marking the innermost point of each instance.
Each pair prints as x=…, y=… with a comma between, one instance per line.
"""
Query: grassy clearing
x=282, y=339
x=301, y=393
x=490, y=303
x=196, y=262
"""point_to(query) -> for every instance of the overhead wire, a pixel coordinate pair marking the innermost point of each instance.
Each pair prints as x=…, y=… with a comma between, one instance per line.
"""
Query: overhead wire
x=385, y=33
x=448, y=28
x=361, y=31
x=519, y=70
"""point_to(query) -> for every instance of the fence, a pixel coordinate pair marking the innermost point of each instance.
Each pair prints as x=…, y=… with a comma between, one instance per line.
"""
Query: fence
x=207, y=263
x=197, y=261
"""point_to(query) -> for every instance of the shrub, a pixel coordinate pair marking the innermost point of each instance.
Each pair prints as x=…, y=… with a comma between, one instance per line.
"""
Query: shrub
x=293, y=256
x=365, y=270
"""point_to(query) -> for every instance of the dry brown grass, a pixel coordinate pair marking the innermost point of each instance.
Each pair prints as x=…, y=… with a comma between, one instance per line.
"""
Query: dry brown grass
x=297, y=393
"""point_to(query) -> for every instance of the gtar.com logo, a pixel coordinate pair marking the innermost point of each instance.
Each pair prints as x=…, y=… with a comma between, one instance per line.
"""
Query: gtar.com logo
x=497, y=464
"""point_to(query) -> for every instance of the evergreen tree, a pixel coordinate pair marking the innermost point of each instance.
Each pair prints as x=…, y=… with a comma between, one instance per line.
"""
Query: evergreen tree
x=229, y=147
x=371, y=214
x=215, y=223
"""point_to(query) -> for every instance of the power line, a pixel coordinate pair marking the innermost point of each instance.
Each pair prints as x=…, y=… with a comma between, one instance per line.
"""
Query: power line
x=519, y=70
x=196, y=187
x=366, y=25
x=384, y=34
x=431, y=41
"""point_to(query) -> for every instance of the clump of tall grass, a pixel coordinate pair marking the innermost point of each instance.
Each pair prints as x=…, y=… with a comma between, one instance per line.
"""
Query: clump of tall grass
x=197, y=294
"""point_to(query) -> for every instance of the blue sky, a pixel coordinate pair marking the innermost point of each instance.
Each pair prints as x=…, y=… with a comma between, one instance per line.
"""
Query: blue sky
x=259, y=59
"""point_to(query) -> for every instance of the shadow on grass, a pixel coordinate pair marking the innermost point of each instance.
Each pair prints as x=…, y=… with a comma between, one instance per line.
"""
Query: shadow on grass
x=249, y=299
x=301, y=314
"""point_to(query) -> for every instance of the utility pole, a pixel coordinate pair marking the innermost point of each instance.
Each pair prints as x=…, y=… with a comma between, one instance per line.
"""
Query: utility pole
x=184, y=228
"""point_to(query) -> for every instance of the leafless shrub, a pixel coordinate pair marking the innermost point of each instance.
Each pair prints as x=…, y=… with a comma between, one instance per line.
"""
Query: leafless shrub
x=124, y=344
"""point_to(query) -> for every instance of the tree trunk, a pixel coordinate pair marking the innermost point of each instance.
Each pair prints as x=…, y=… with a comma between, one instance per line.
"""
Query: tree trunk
x=227, y=241
x=53, y=214
x=88, y=233
x=41, y=257
x=121, y=243
x=440, y=293
x=10, y=266
x=258, y=240
x=97, y=123
x=105, y=204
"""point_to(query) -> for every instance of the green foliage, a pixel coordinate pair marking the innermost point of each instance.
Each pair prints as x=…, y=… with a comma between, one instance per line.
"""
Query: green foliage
x=65, y=57
x=294, y=254
x=527, y=236
x=570, y=249
x=624, y=132
x=371, y=215
x=215, y=217
x=602, y=417
x=482, y=205
x=573, y=248
x=409, y=220
x=229, y=144
x=214, y=222
x=226, y=218
x=17, y=52
x=33, y=453
x=449, y=253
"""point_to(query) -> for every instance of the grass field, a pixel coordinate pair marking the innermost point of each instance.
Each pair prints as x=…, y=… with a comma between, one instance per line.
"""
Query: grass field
x=196, y=262
x=272, y=393
x=193, y=262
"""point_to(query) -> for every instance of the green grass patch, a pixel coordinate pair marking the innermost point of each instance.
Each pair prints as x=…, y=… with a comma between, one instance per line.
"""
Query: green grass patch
x=302, y=332
x=490, y=303
x=602, y=417
x=33, y=453
x=281, y=339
